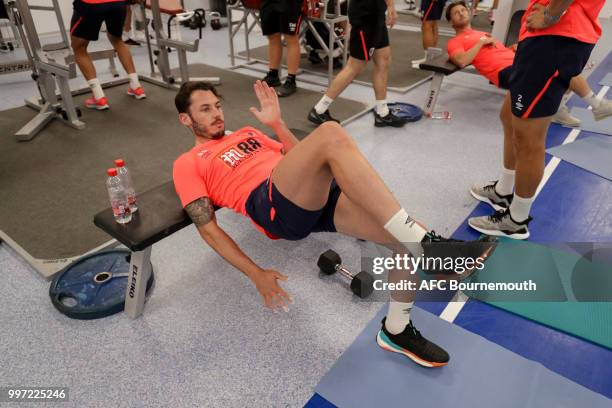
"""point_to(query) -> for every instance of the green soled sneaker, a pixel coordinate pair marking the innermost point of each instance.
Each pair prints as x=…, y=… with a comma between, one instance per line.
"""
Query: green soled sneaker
x=487, y=194
x=501, y=224
x=413, y=345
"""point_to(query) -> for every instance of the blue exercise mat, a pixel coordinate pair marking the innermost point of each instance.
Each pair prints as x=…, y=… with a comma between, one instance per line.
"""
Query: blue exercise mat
x=607, y=80
x=480, y=374
x=589, y=123
x=593, y=154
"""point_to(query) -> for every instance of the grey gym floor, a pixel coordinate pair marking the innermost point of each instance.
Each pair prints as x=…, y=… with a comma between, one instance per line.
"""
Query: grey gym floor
x=205, y=338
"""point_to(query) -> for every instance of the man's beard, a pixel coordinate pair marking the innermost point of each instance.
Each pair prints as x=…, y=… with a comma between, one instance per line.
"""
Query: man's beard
x=200, y=131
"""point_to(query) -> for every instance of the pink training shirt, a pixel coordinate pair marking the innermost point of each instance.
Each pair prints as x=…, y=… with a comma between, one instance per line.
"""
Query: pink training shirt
x=580, y=21
x=226, y=170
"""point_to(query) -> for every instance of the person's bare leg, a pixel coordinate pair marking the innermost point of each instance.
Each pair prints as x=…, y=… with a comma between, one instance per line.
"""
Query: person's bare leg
x=127, y=24
x=382, y=61
x=429, y=37
x=353, y=68
x=82, y=58
x=330, y=153
x=505, y=117
x=529, y=146
x=435, y=34
x=123, y=52
x=580, y=86
x=275, y=50
x=293, y=53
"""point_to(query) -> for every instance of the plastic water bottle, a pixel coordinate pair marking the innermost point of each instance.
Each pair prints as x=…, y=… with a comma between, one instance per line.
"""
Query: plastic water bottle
x=126, y=180
x=118, y=197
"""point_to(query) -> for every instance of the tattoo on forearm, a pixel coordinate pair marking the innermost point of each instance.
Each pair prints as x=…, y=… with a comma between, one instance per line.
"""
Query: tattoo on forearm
x=200, y=211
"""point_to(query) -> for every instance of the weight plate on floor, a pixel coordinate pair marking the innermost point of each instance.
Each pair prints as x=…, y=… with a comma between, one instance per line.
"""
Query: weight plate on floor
x=407, y=111
x=93, y=286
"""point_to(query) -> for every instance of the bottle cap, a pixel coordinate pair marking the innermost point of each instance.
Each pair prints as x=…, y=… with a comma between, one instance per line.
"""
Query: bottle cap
x=119, y=163
x=112, y=172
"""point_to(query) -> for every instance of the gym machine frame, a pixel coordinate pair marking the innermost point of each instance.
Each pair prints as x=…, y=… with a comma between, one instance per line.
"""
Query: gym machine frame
x=163, y=45
x=330, y=20
x=52, y=66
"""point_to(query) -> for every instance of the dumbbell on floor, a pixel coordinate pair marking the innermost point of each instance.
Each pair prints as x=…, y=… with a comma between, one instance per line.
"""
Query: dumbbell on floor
x=361, y=284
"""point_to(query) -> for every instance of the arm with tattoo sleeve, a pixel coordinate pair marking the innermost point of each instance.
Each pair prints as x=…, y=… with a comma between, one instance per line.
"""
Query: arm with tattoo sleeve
x=202, y=213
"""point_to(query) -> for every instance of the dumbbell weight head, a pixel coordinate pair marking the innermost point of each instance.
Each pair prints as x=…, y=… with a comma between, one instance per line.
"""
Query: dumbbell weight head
x=362, y=284
x=328, y=261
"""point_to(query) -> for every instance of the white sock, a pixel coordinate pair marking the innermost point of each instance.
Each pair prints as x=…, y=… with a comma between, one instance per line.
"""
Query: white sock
x=520, y=207
x=323, y=104
x=407, y=231
x=592, y=100
x=96, y=88
x=505, y=185
x=565, y=98
x=134, y=82
x=381, y=108
x=398, y=316
x=125, y=36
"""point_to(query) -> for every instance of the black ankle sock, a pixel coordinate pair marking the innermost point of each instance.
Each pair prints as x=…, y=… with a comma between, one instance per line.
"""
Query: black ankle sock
x=291, y=77
x=273, y=73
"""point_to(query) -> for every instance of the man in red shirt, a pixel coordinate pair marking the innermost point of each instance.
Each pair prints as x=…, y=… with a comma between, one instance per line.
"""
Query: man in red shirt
x=291, y=189
x=556, y=40
x=85, y=26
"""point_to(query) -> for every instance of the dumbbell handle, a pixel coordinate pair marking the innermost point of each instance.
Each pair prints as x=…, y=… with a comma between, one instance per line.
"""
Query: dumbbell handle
x=341, y=269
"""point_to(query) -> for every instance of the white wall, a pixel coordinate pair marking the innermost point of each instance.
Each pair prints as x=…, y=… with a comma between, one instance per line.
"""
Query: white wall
x=45, y=21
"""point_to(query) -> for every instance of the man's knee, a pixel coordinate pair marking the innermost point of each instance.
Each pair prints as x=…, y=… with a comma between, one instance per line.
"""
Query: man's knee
x=383, y=61
x=526, y=142
x=335, y=136
x=355, y=65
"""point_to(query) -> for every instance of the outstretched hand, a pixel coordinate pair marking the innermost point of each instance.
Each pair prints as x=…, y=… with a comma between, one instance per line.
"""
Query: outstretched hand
x=269, y=111
x=272, y=294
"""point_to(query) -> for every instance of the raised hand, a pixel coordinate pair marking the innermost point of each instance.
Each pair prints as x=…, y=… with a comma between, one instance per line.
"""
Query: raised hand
x=269, y=111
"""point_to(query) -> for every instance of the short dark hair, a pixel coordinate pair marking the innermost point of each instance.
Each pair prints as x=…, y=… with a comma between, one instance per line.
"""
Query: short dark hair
x=182, y=100
x=452, y=6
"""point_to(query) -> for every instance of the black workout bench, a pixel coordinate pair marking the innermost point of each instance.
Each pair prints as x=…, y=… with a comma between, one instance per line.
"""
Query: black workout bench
x=159, y=215
x=441, y=66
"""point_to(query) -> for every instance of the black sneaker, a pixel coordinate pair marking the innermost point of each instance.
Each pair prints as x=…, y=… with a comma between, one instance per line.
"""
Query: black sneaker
x=288, y=88
x=413, y=345
x=317, y=119
x=314, y=58
x=435, y=246
x=389, y=120
x=272, y=80
x=129, y=41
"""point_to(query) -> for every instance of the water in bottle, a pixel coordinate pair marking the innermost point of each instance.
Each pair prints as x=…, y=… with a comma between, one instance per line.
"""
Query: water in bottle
x=118, y=197
x=126, y=179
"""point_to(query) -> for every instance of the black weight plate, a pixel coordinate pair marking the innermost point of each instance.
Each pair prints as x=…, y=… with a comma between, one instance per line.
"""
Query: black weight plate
x=76, y=293
x=411, y=113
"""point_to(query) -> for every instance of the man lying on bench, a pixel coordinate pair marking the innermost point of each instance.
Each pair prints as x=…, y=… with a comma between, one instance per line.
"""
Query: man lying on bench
x=494, y=61
x=290, y=189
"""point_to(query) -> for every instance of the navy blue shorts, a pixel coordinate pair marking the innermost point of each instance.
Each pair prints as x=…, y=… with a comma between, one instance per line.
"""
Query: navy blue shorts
x=366, y=38
x=503, y=77
x=432, y=9
x=541, y=73
x=280, y=217
x=87, y=19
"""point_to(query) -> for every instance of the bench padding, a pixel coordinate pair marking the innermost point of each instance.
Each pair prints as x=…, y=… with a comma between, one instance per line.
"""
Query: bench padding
x=159, y=214
x=440, y=64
